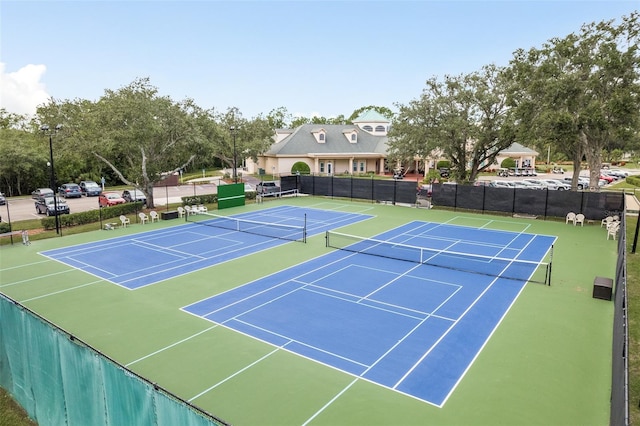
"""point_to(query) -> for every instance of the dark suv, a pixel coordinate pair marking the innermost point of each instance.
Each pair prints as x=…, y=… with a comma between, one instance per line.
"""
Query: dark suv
x=70, y=190
x=45, y=205
x=90, y=188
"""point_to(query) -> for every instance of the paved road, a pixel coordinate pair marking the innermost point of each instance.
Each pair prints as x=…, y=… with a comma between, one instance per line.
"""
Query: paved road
x=23, y=208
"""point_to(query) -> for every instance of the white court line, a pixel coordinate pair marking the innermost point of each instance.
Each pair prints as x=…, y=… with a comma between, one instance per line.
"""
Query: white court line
x=236, y=373
x=300, y=343
x=38, y=278
x=379, y=359
x=27, y=265
x=61, y=291
x=171, y=345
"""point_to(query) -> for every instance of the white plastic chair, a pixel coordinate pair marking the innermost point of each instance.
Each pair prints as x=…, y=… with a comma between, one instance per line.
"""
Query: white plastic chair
x=579, y=219
x=154, y=216
x=606, y=221
x=180, y=212
x=612, y=230
x=143, y=217
x=202, y=208
x=571, y=217
x=125, y=221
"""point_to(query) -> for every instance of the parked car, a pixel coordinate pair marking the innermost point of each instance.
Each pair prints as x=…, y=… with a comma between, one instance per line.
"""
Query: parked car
x=583, y=183
x=41, y=193
x=502, y=184
x=107, y=199
x=3, y=199
x=532, y=184
x=47, y=205
x=268, y=188
x=131, y=195
x=556, y=184
x=90, y=188
x=70, y=190
x=608, y=178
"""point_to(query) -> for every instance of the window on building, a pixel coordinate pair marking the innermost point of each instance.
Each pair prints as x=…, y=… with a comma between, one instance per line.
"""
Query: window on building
x=362, y=166
x=367, y=128
x=321, y=137
x=379, y=128
x=355, y=166
x=353, y=137
x=321, y=167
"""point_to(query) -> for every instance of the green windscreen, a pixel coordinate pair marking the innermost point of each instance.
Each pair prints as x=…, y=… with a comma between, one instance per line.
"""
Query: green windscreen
x=59, y=380
x=230, y=195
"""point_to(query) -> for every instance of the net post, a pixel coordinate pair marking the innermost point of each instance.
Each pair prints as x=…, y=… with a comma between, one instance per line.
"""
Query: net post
x=304, y=229
x=550, y=266
x=326, y=238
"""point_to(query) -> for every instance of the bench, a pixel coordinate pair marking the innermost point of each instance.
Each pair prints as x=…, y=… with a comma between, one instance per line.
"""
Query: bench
x=16, y=233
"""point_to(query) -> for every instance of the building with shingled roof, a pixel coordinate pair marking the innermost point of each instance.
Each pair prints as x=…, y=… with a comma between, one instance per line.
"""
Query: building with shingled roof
x=357, y=148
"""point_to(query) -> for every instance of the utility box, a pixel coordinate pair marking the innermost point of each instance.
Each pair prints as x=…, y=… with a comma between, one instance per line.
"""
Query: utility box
x=602, y=288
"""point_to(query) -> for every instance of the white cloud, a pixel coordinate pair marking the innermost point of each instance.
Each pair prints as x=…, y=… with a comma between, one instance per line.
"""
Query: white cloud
x=21, y=91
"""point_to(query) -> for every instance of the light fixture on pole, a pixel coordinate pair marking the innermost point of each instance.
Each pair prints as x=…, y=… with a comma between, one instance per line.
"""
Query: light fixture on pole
x=235, y=167
x=51, y=133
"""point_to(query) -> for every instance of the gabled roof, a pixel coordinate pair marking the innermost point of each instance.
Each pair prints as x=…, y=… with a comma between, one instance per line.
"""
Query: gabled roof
x=302, y=142
x=371, y=116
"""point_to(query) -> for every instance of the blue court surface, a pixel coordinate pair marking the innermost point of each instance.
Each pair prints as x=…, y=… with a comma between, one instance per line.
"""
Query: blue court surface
x=408, y=326
x=140, y=259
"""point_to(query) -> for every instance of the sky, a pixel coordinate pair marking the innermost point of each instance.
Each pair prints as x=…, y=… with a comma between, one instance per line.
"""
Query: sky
x=322, y=57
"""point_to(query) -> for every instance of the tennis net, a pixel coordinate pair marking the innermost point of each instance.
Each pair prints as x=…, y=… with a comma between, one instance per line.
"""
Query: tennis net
x=514, y=269
x=266, y=229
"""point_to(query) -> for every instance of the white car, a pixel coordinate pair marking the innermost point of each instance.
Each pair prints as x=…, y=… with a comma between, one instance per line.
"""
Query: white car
x=535, y=183
x=583, y=183
x=556, y=184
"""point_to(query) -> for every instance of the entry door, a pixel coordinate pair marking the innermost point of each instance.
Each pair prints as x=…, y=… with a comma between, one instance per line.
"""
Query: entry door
x=329, y=168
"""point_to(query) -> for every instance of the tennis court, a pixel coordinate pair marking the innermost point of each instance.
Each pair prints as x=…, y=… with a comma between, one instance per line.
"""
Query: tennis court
x=359, y=338
x=392, y=309
x=134, y=261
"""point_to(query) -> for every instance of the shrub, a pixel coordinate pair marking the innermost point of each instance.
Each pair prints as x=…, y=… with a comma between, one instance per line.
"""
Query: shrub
x=300, y=167
x=199, y=199
x=508, y=163
x=443, y=164
x=91, y=216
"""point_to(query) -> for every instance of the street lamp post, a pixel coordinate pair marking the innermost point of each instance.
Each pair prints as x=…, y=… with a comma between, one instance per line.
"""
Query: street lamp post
x=51, y=133
x=235, y=167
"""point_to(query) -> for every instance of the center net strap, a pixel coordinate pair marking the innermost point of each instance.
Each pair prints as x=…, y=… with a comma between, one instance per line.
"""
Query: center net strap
x=515, y=269
x=266, y=229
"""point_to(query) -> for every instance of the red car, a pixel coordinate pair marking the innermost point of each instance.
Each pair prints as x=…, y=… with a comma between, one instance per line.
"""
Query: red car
x=608, y=178
x=107, y=199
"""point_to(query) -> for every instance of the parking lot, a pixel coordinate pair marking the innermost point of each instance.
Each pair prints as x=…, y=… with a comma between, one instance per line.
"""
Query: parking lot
x=23, y=208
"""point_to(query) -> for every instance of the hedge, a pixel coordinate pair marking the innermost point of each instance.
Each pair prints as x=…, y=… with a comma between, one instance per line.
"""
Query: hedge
x=91, y=216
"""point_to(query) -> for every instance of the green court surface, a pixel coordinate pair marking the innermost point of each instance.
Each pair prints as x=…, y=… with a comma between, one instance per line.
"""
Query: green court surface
x=547, y=363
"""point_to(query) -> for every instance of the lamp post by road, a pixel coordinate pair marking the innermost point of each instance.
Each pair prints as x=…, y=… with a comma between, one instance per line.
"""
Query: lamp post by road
x=51, y=133
x=235, y=164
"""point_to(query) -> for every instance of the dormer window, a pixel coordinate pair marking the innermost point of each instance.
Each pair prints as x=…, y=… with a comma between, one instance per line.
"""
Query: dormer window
x=351, y=135
x=367, y=128
x=320, y=135
x=380, y=129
